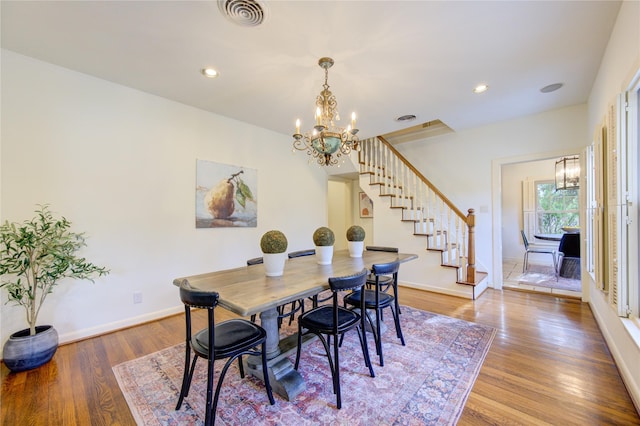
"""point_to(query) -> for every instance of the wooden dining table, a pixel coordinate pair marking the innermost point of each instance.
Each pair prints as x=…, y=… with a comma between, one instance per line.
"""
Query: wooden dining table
x=247, y=290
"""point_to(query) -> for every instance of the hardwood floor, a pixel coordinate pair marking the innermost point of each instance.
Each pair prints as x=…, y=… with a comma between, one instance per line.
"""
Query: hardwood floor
x=548, y=364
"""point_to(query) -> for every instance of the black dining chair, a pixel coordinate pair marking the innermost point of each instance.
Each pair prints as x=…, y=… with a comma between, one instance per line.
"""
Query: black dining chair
x=385, y=281
x=377, y=300
x=226, y=340
x=569, y=256
x=334, y=321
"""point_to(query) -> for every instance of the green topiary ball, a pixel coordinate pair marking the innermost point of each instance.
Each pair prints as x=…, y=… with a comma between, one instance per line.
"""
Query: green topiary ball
x=355, y=233
x=273, y=242
x=323, y=236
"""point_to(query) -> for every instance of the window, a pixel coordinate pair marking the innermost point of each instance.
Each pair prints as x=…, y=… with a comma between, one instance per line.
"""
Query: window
x=555, y=209
x=612, y=204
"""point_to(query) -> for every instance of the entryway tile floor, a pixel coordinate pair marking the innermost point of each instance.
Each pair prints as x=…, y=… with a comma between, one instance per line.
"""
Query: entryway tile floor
x=513, y=278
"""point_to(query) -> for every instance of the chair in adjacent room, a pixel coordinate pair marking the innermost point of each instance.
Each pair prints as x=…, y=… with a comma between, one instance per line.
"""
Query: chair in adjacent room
x=375, y=299
x=533, y=248
x=569, y=256
x=333, y=321
x=228, y=340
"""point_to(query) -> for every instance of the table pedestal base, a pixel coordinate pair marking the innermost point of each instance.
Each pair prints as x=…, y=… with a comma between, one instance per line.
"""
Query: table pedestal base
x=284, y=380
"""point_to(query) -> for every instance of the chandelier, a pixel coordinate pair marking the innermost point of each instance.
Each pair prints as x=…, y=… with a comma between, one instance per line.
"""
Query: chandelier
x=326, y=141
x=568, y=173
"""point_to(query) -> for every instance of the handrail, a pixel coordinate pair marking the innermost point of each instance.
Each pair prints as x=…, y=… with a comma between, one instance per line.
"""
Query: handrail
x=468, y=220
x=424, y=179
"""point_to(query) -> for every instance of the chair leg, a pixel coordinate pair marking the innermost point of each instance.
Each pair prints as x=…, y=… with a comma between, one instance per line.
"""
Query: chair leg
x=295, y=367
x=362, y=335
x=526, y=261
x=241, y=367
x=211, y=402
x=214, y=402
x=265, y=373
x=186, y=380
x=336, y=374
x=379, y=336
x=396, y=318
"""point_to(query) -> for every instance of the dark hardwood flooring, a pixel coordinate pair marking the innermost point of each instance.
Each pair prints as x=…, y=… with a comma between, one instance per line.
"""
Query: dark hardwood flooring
x=548, y=364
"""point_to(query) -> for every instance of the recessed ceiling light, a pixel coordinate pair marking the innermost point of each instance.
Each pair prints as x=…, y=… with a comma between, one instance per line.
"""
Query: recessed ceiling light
x=209, y=72
x=407, y=117
x=480, y=88
x=551, y=87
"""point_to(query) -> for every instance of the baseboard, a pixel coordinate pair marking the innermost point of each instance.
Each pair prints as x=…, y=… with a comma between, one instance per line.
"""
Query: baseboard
x=448, y=291
x=118, y=325
x=627, y=376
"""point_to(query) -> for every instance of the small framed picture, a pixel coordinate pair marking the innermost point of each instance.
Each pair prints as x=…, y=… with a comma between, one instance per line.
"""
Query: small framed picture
x=366, y=205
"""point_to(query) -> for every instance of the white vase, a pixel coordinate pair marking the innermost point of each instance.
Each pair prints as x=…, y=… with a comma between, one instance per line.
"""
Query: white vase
x=355, y=248
x=274, y=263
x=324, y=254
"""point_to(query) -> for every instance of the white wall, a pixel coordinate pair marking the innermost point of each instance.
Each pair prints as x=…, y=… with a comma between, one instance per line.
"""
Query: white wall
x=512, y=177
x=120, y=165
x=620, y=62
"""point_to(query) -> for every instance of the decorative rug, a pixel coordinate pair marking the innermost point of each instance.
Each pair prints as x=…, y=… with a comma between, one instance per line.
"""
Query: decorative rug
x=544, y=276
x=426, y=382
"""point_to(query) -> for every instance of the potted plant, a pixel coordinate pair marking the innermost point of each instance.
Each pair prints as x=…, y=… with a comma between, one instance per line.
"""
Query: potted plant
x=324, y=238
x=355, y=240
x=274, y=245
x=35, y=256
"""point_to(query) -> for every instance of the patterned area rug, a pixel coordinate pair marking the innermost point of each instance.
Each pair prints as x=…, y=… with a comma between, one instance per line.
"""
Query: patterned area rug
x=544, y=276
x=424, y=383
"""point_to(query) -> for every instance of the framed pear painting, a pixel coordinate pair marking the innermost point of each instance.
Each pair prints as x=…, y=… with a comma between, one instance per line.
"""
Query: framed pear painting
x=226, y=196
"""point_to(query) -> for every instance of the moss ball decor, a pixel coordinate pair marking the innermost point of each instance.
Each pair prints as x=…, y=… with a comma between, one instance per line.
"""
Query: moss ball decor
x=273, y=242
x=355, y=233
x=323, y=236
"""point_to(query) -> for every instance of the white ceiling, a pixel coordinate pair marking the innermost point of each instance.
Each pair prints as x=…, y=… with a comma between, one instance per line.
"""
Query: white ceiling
x=391, y=57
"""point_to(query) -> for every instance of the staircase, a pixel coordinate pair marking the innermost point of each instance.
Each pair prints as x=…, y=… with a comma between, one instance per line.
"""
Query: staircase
x=434, y=222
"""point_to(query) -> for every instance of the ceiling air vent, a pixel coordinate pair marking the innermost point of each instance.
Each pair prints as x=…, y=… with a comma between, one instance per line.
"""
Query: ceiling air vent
x=246, y=13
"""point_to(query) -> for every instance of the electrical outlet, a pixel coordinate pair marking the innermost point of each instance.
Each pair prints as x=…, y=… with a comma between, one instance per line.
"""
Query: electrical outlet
x=137, y=297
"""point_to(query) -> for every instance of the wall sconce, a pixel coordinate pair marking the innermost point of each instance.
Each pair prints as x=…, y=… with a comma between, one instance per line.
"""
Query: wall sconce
x=568, y=173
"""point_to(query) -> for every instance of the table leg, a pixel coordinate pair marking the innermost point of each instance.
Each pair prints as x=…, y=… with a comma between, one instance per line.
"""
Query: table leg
x=285, y=381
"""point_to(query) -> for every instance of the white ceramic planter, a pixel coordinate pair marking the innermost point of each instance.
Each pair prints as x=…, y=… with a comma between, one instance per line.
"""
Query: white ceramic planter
x=355, y=248
x=324, y=254
x=274, y=263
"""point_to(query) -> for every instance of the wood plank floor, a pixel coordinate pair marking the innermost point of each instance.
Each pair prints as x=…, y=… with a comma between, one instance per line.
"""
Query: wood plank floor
x=548, y=364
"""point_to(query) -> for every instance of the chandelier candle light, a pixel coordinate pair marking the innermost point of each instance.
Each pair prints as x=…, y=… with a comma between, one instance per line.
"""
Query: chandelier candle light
x=327, y=139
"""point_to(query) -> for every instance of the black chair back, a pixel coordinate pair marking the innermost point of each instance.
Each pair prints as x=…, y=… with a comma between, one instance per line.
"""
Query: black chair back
x=198, y=299
x=382, y=248
x=385, y=268
x=301, y=253
x=350, y=282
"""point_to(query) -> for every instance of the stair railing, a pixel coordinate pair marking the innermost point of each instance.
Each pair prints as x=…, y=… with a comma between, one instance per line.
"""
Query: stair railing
x=433, y=214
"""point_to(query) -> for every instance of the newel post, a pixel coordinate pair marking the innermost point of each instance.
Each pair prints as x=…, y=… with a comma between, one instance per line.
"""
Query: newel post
x=471, y=255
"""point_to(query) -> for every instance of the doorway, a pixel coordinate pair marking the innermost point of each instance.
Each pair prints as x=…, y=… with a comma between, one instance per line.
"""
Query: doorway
x=509, y=220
